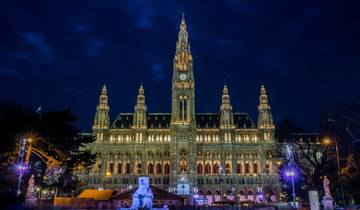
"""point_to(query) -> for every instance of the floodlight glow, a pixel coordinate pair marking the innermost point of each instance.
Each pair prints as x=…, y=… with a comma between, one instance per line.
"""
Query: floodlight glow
x=290, y=173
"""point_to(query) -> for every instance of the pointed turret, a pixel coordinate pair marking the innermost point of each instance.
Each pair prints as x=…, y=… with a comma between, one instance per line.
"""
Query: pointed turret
x=183, y=57
x=226, y=116
x=139, y=120
x=265, y=119
x=102, y=119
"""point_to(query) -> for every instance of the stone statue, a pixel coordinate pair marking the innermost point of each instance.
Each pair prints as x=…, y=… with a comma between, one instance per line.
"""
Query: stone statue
x=326, y=184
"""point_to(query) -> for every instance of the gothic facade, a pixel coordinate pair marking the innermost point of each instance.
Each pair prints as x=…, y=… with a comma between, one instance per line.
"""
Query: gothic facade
x=186, y=152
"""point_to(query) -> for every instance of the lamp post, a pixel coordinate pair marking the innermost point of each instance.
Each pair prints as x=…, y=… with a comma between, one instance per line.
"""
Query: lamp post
x=21, y=165
x=328, y=141
x=107, y=174
x=291, y=173
x=221, y=181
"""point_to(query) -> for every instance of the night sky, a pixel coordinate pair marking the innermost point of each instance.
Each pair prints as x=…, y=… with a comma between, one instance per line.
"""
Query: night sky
x=57, y=54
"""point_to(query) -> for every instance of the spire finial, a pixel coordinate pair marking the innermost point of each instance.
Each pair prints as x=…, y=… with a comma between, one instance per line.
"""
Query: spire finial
x=183, y=23
x=104, y=90
x=141, y=89
x=262, y=90
x=225, y=90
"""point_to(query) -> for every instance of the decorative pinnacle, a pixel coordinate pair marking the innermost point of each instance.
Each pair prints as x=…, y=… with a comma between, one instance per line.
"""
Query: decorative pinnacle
x=262, y=90
x=225, y=90
x=104, y=90
x=183, y=23
x=141, y=89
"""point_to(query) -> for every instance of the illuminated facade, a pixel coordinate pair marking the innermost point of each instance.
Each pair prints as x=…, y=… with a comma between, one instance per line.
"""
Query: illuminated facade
x=184, y=151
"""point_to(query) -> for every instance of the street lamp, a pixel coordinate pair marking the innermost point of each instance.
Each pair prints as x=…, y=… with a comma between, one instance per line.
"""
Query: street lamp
x=21, y=166
x=107, y=174
x=291, y=174
x=327, y=142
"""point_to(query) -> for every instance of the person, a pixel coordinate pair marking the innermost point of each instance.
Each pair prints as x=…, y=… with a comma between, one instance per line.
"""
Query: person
x=326, y=184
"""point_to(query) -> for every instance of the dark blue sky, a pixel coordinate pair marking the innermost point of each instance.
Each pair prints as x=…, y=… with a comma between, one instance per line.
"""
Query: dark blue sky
x=57, y=54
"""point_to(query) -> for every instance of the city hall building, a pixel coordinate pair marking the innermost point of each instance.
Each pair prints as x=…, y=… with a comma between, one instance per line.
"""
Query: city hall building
x=186, y=152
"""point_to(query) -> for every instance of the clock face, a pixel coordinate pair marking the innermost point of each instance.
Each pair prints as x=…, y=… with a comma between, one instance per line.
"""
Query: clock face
x=183, y=76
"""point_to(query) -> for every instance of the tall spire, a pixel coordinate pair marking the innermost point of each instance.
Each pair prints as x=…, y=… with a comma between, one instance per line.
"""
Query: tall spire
x=140, y=109
x=265, y=119
x=183, y=57
x=102, y=119
x=226, y=117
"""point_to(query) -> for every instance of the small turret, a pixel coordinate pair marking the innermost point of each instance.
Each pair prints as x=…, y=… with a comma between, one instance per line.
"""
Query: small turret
x=139, y=120
x=265, y=119
x=226, y=116
x=102, y=119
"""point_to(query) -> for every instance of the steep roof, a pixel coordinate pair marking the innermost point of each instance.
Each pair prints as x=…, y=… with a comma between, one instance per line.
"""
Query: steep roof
x=203, y=120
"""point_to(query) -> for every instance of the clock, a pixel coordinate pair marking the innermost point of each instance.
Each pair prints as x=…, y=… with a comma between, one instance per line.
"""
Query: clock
x=183, y=76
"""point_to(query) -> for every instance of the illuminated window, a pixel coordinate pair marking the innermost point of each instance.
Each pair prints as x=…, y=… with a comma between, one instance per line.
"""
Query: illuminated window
x=216, y=168
x=138, y=168
x=150, y=168
x=255, y=168
x=111, y=167
x=239, y=168
x=199, y=168
x=247, y=168
x=127, y=168
x=227, y=168
x=167, y=168
x=183, y=165
x=158, y=168
x=207, y=168
x=119, y=168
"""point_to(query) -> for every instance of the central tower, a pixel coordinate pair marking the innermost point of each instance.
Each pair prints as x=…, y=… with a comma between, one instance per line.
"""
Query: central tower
x=183, y=125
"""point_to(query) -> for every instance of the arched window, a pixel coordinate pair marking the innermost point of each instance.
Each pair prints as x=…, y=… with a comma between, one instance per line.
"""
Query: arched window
x=111, y=167
x=199, y=168
x=127, y=168
x=150, y=168
x=138, y=168
x=227, y=168
x=183, y=108
x=268, y=167
x=216, y=168
x=247, y=168
x=158, y=168
x=207, y=168
x=239, y=168
x=255, y=168
x=183, y=165
x=119, y=168
x=167, y=168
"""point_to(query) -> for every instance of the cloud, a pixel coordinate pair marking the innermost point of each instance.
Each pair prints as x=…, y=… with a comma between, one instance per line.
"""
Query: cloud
x=94, y=45
x=158, y=72
x=9, y=71
x=37, y=41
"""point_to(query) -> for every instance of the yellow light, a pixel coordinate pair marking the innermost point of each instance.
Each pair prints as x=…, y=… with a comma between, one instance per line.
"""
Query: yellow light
x=108, y=173
x=29, y=140
x=327, y=141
